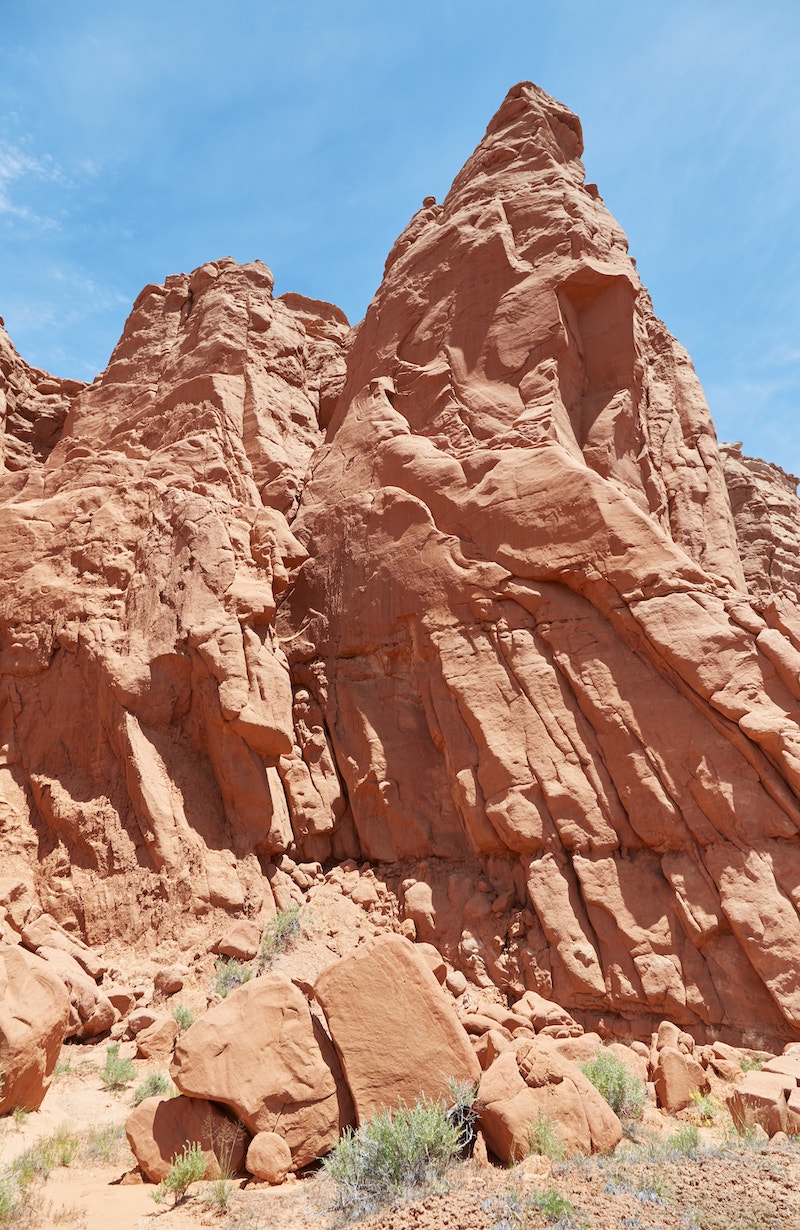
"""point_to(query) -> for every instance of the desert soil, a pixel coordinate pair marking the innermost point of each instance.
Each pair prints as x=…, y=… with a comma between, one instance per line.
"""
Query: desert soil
x=726, y=1184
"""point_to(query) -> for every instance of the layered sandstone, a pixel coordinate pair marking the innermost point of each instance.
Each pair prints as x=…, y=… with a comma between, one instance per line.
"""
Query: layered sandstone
x=505, y=630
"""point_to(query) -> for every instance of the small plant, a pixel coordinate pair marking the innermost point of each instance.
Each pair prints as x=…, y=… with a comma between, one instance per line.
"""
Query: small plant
x=116, y=1073
x=154, y=1085
x=187, y=1167
x=19, y=1115
x=279, y=935
x=230, y=975
x=751, y=1063
x=63, y=1068
x=103, y=1143
x=218, y=1195
x=543, y=1139
x=704, y=1109
x=11, y=1199
x=462, y=1115
x=391, y=1156
x=624, y=1092
x=183, y=1016
x=554, y=1206
x=685, y=1141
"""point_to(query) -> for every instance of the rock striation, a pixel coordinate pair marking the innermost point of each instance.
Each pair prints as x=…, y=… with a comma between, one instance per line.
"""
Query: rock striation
x=469, y=593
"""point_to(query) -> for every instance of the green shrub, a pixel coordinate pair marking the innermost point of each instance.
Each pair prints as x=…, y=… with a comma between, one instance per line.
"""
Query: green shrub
x=104, y=1143
x=751, y=1063
x=11, y=1199
x=230, y=975
x=116, y=1073
x=543, y=1139
x=218, y=1195
x=183, y=1016
x=392, y=1155
x=154, y=1085
x=39, y=1159
x=279, y=935
x=553, y=1206
x=187, y=1167
x=704, y=1108
x=684, y=1142
x=624, y=1092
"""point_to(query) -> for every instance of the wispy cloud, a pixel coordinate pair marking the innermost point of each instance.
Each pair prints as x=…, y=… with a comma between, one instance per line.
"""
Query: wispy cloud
x=17, y=165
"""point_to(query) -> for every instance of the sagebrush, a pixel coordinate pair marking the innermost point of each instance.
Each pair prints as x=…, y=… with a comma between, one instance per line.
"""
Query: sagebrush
x=392, y=1155
x=279, y=935
x=624, y=1092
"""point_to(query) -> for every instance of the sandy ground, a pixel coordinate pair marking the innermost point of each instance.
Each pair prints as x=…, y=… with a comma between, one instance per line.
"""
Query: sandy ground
x=647, y=1184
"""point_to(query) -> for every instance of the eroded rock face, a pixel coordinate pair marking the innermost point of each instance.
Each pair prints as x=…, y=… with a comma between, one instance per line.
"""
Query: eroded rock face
x=146, y=706
x=506, y=631
x=525, y=616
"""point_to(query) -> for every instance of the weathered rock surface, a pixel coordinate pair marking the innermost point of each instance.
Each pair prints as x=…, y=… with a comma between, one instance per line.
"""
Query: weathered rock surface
x=159, y=1129
x=531, y=1082
x=34, y=1012
x=396, y=1034
x=514, y=630
x=261, y=1053
x=526, y=618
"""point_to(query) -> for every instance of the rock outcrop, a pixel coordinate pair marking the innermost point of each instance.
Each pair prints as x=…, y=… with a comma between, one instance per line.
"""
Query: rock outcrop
x=34, y=1011
x=469, y=593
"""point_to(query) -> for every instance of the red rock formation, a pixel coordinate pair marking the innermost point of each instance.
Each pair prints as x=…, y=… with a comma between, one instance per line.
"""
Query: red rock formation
x=542, y=675
x=526, y=620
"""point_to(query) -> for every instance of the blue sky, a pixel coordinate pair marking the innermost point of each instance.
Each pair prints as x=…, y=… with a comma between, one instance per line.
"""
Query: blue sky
x=138, y=140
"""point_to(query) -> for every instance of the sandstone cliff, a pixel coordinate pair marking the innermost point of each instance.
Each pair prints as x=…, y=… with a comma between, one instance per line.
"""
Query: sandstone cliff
x=504, y=630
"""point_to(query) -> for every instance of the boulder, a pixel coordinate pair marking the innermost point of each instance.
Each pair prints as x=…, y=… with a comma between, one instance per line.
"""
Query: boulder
x=269, y=1157
x=544, y=1014
x=92, y=1011
x=159, y=1128
x=676, y=1078
x=761, y=1099
x=44, y=932
x=240, y=940
x=34, y=1013
x=531, y=1081
x=393, y=1026
x=158, y=1038
x=260, y=1052
x=168, y=980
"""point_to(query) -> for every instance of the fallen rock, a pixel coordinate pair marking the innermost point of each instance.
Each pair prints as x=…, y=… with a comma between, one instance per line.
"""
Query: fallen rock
x=92, y=1012
x=241, y=940
x=761, y=1100
x=159, y=1128
x=269, y=1157
x=531, y=1082
x=260, y=1052
x=34, y=1012
x=544, y=1014
x=676, y=1078
x=393, y=1027
x=168, y=980
x=158, y=1038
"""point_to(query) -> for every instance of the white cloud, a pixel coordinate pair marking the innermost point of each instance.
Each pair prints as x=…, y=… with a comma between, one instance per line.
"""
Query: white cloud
x=17, y=165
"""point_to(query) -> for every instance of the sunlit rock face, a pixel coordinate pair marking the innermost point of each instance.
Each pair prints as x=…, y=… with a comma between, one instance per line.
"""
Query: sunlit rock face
x=526, y=618
x=462, y=592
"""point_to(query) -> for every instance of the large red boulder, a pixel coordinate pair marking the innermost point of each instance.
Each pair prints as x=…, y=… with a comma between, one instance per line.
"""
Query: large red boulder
x=34, y=1014
x=261, y=1053
x=159, y=1128
x=532, y=1083
x=393, y=1027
